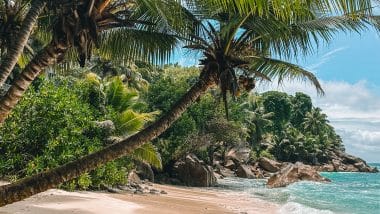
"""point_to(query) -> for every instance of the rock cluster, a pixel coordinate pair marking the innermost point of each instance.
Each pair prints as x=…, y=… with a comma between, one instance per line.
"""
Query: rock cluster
x=135, y=186
x=144, y=188
x=283, y=174
x=343, y=162
x=238, y=165
x=269, y=165
x=194, y=172
x=293, y=173
x=191, y=171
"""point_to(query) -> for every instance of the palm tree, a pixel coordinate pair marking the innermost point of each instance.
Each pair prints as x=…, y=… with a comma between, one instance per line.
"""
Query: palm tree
x=218, y=68
x=109, y=26
x=242, y=46
x=315, y=121
x=125, y=101
x=15, y=49
x=257, y=120
x=128, y=120
x=49, y=179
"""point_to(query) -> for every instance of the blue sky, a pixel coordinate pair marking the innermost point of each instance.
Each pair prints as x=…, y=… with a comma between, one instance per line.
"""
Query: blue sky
x=349, y=70
x=350, y=57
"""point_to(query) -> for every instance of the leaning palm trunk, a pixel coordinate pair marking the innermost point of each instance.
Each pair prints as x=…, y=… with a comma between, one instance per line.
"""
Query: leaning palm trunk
x=15, y=50
x=52, y=178
x=48, y=56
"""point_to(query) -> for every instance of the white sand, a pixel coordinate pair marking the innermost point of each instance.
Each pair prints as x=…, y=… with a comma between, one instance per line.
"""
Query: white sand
x=178, y=200
x=59, y=201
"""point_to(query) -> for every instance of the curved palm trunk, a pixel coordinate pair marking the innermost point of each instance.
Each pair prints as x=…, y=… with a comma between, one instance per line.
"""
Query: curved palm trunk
x=22, y=38
x=50, y=179
x=48, y=56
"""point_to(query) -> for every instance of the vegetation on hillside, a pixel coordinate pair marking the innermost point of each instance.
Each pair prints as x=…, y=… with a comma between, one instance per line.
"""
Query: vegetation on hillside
x=274, y=124
x=62, y=118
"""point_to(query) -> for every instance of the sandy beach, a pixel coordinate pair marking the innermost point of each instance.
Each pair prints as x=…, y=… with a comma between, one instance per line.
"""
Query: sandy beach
x=177, y=200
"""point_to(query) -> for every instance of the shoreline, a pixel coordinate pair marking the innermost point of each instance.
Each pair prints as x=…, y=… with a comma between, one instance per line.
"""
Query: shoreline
x=185, y=200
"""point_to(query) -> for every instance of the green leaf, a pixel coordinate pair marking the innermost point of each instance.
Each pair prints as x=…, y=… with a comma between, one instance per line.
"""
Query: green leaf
x=148, y=153
x=282, y=71
x=129, y=121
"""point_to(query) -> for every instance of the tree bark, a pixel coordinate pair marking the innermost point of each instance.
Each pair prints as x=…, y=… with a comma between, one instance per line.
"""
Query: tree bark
x=52, y=178
x=22, y=38
x=48, y=56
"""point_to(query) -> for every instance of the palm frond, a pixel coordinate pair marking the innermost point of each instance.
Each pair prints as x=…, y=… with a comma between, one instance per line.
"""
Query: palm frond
x=148, y=153
x=288, y=39
x=171, y=16
x=93, y=78
x=124, y=45
x=130, y=122
x=119, y=96
x=290, y=9
x=23, y=60
x=277, y=69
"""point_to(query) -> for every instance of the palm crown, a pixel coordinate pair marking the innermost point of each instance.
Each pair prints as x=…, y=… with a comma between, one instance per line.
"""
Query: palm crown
x=241, y=47
x=122, y=30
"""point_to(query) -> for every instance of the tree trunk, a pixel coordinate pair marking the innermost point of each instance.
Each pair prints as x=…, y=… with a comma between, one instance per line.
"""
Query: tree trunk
x=52, y=178
x=22, y=38
x=46, y=57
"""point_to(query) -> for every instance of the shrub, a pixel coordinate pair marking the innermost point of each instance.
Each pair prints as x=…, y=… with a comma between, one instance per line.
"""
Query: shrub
x=51, y=126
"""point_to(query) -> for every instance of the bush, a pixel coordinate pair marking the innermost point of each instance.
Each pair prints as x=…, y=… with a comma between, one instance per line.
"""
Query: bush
x=51, y=126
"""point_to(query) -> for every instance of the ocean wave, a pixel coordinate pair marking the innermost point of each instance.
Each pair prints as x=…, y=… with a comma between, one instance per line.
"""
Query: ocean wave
x=347, y=193
x=296, y=208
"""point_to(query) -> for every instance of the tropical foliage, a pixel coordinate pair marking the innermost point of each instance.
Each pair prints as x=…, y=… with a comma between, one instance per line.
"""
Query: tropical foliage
x=274, y=124
x=242, y=42
x=56, y=123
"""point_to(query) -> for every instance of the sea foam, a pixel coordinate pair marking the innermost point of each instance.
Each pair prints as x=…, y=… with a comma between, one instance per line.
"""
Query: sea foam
x=296, y=208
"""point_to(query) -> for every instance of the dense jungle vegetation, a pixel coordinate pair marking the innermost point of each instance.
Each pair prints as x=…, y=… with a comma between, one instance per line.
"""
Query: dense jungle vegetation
x=62, y=117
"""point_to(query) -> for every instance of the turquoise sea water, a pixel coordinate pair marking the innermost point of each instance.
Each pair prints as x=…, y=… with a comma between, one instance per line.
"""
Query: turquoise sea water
x=348, y=193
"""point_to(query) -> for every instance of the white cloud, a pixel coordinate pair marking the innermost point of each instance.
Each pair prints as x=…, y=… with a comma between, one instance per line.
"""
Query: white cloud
x=324, y=59
x=353, y=109
x=342, y=99
x=331, y=53
x=361, y=142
